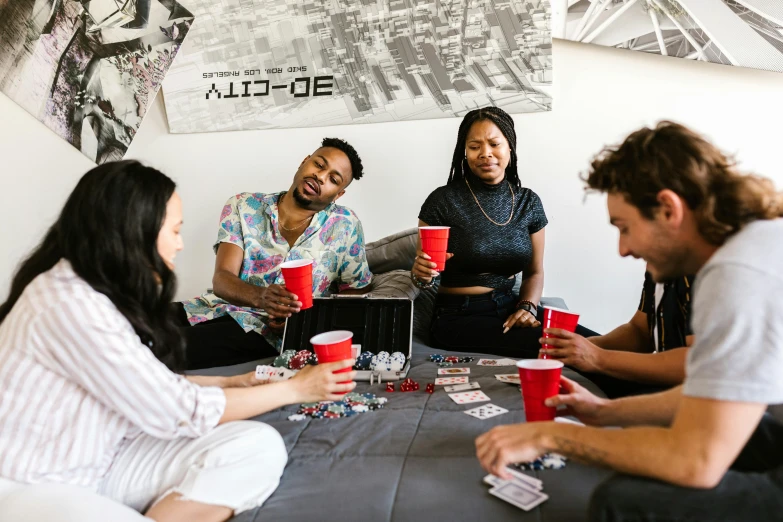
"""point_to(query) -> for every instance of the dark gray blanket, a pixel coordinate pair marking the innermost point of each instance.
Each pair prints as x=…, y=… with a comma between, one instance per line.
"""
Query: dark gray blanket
x=415, y=459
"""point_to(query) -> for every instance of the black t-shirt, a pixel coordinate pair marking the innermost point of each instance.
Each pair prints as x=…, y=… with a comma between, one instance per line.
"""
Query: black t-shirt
x=673, y=316
x=485, y=254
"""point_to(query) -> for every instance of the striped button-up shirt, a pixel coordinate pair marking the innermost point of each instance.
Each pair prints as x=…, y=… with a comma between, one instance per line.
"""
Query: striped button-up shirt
x=76, y=381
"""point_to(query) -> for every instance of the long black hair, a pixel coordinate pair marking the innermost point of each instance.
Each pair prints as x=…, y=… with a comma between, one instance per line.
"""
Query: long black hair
x=108, y=231
x=506, y=125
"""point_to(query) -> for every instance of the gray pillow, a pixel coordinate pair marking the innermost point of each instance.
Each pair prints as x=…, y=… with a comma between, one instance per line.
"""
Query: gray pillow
x=396, y=283
x=395, y=252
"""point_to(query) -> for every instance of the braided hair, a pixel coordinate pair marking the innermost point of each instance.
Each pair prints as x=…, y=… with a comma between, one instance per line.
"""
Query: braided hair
x=503, y=122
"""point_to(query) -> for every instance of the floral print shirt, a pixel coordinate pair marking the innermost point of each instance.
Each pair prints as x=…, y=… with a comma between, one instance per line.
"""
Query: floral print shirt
x=334, y=240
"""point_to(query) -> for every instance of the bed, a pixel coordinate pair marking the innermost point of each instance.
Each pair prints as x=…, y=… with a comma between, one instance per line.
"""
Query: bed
x=412, y=460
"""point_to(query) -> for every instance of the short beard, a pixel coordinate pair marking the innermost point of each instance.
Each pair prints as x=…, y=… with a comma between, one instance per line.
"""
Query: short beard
x=301, y=200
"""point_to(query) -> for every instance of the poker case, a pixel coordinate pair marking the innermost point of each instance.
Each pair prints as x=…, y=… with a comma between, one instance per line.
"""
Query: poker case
x=378, y=324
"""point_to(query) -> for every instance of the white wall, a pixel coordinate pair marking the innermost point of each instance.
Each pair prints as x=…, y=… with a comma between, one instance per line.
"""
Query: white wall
x=600, y=95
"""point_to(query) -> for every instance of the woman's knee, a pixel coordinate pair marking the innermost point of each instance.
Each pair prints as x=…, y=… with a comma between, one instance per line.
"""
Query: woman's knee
x=253, y=442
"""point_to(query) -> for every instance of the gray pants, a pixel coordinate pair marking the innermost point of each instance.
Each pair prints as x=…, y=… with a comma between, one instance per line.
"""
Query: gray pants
x=751, y=491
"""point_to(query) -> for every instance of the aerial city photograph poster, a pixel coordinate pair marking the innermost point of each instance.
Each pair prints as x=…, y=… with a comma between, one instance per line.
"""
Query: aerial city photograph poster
x=259, y=64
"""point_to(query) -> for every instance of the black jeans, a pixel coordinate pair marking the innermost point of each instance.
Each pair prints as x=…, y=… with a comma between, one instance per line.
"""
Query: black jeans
x=219, y=342
x=751, y=491
x=474, y=323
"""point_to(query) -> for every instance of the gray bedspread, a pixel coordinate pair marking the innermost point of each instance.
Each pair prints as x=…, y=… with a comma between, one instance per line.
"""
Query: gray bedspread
x=412, y=460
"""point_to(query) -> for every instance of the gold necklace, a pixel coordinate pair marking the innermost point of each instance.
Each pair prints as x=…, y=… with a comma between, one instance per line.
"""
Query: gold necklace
x=297, y=227
x=482, y=210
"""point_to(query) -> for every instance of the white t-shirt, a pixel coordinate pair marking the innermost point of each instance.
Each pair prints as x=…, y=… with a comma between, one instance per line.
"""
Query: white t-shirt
x=738, y=320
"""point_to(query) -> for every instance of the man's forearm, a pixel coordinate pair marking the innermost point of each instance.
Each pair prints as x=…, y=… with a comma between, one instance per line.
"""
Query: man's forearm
x=644, y=451
x=655, y=409
x=665, y=368
x=626, y=338
x=231, y=288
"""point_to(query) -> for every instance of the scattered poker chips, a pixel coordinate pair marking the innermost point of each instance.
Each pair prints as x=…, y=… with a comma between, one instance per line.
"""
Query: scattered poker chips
x=548, y=461
x=352, y=404
x=453, y=359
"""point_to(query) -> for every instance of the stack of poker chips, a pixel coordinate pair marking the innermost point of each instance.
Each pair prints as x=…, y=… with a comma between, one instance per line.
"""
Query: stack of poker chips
x=295, y=360
x=363, y=361
x=352, y=404
x=547, y=461
x=445, y=361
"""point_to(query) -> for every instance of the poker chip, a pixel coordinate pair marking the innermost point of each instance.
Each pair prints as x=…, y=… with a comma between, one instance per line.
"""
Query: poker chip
x=351, y=405
x=453, y=359
x=547, y=461
x=445, y=364
x=397, y=361
x=300, y=360
x=283, y=360
x=363, y=361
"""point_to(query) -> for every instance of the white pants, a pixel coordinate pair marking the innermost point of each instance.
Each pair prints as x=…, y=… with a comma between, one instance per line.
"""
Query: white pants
x=237, y=465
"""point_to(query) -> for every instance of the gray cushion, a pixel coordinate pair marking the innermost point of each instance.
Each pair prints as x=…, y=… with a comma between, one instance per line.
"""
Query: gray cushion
x=396, y=283
x=395, y=252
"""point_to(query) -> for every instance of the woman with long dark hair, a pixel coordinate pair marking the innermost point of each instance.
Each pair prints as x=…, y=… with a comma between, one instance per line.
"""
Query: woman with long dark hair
x=497, y=231
x=89, y=397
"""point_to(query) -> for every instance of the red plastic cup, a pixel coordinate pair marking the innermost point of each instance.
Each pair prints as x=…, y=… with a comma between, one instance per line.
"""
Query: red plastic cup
x=435, y=243
x=540, y=380
x=298, y=276
x=332, y=347
x=557, y=318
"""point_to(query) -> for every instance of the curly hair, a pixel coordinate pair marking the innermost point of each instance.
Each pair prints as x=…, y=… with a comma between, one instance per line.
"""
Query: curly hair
x=503, y=122
x=357, y=170
x=673, y=157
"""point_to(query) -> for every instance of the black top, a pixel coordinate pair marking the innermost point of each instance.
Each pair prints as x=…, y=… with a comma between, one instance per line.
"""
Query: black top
x=485, y=254
x=673, y=316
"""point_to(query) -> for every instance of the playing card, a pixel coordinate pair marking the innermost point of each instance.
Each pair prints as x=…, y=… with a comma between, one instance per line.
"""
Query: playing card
x=494, y=480
x=518, y=495
x=486, y=411
x=566, y=420
x=453, y=371
x=451, y=380
x=524, y=478
x=469, y=397
x=462, y=387
x=510, y=378
x=488, y=362
x=496, y=362
x=273, y=374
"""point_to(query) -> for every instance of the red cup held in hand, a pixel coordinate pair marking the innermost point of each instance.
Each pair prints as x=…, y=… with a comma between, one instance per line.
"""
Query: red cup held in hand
x=332, y=347
x=434, y=243
x=540, y=380
x=557, y=318
x=298, y=276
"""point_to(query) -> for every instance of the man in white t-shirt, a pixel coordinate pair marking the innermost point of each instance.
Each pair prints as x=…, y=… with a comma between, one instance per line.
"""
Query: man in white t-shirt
x=706, y=450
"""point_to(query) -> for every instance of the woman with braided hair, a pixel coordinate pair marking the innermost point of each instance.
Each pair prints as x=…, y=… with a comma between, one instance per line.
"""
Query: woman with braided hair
x=497, y=231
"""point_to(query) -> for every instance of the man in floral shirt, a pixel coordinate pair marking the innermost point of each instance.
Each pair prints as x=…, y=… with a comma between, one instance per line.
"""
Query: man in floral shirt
x=257, y=233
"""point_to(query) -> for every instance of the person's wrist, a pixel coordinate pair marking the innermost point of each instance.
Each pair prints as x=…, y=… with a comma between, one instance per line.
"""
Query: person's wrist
x=291, y=391
x=599, y=358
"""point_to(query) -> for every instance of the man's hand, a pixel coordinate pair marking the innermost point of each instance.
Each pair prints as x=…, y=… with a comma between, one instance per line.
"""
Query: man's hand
x=279, y=302
x=504, y=445
x=579, y=403
x=521, y=319
x=572, y=349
